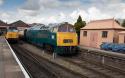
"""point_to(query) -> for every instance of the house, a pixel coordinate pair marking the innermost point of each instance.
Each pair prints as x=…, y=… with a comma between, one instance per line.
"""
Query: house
x=99, y=31
x=3, y=27
x=122, y=37
x=20, y=25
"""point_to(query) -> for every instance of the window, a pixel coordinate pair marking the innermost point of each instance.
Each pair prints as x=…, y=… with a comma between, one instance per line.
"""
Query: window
x=84, y=33
x=62, y=28
x=66, y=28
x=71, y=29
x=55, y=29
x=51, y=29
x=12, y=29
x=104, y=34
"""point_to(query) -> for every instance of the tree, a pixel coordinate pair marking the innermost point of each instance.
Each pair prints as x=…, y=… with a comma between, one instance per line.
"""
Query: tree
x=79, y=24
x=123, y=24
x=118, y=22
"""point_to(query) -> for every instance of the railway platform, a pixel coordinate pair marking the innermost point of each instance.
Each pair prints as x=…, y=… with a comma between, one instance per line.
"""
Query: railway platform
x=9, y=63
x=99, y=50
x=94, y=49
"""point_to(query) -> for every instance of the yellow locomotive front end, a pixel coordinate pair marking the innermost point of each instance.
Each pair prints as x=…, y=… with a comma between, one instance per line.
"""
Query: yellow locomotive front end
x=12, y=34
x=67, y=39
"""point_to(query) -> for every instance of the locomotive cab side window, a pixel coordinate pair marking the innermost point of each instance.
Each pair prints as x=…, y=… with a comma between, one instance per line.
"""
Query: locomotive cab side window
x=51, y=29
x=55, y=29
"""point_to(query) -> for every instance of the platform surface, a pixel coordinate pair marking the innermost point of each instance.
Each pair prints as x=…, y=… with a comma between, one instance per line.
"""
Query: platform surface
x=9, y=67
x=104, y=51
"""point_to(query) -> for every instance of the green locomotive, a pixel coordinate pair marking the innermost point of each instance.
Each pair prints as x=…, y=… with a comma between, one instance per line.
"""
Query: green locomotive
x=59, y=38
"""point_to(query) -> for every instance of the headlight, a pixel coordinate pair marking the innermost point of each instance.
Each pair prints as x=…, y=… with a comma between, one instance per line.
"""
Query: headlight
x=53, y=37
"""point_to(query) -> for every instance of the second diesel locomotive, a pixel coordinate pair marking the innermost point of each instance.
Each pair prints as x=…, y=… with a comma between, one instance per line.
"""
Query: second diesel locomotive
x=12, y=34
x=58, y=38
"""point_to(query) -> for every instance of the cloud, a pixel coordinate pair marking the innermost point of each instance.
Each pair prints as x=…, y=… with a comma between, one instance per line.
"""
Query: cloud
x=53, y=11
x=51, y=19
x=31, y=5
x=50, y=4
x=69, y=10
x=78, y=12
x=5, y=16
x=27, y=12
x=91, y=13
x=1, y=2
x=94, y=13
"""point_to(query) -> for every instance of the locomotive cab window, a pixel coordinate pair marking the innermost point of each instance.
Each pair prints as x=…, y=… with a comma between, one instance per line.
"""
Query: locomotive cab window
x=66, y=28
x=104, y=34
x=51, y=29
x=12, y=29
x=71, y=29
x=84, y=33
x=55, y=29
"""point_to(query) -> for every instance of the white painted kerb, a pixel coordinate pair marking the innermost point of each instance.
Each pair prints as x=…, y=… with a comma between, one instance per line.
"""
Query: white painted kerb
x=19, y=63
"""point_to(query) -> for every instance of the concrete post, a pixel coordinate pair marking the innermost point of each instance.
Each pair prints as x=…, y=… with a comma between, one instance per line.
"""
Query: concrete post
x=103, y=59
x=43, y=52
x=54, y=55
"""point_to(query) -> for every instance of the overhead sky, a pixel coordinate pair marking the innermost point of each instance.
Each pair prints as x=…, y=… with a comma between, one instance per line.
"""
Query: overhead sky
x=56, y=11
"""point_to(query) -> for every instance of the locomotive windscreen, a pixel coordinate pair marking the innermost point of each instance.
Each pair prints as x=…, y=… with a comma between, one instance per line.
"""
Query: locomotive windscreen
x=66, y=28
x=12, y=29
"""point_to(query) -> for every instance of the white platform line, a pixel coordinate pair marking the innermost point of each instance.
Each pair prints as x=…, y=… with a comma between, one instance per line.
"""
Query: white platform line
x=16, y=58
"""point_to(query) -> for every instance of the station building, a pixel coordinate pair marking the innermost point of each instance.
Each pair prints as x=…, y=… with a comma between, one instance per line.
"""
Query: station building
x=3, y=27
x=99, y=31
x=20, y=25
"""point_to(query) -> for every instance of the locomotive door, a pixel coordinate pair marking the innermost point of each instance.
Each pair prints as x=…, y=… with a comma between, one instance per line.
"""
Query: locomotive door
x=93, y=39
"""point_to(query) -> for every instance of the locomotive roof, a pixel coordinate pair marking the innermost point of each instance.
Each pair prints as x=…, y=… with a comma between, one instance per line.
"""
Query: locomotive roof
x=47, y=27
x=38, y=27
x=54, y=25
x=58, y=24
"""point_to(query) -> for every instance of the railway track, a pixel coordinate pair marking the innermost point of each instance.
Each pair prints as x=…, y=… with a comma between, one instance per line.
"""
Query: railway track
x=97, y=69
x=94, y=69
x=108, y=71
x=113, y=62
x=90, y=70
x=40, y=68
x=100, y=62
x=32, y=64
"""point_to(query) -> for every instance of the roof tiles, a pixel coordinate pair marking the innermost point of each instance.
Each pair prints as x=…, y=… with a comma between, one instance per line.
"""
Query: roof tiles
x=103, y=24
